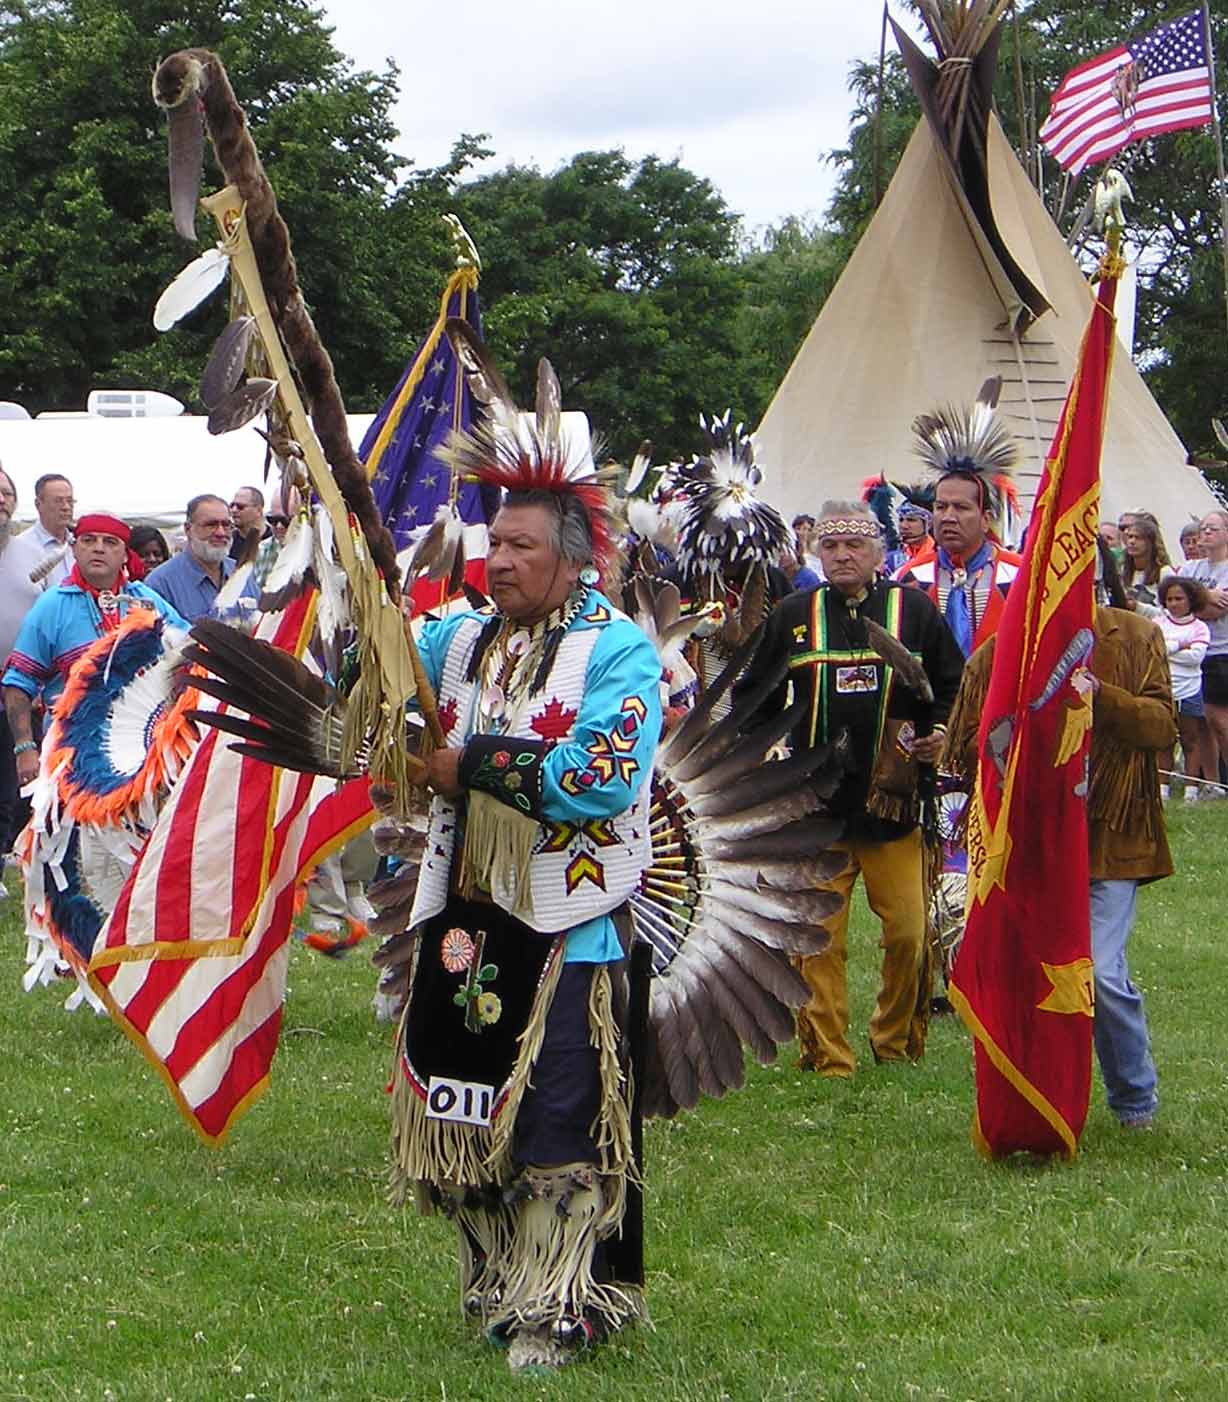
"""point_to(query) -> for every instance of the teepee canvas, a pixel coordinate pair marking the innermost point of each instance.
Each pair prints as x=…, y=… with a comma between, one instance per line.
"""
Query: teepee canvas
x=961, y=274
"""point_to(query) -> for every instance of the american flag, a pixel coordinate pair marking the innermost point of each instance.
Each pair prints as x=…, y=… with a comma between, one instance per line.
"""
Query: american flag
x=409, y=482
x=1159, y=83
x=192, y=963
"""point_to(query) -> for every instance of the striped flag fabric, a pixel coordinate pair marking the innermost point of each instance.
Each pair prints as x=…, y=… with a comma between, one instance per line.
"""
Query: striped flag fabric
x=1157, y=83
x=192, y=964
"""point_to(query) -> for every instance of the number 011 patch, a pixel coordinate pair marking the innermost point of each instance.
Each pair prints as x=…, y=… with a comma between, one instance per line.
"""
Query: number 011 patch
x=463, y=1102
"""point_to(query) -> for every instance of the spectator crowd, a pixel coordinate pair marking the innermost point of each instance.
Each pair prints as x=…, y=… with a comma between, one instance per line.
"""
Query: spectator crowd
x=60, y=576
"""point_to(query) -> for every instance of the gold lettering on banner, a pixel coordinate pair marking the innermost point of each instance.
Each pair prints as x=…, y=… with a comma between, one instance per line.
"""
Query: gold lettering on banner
x=1074, y=550
x=989, y=850
x=1071, y=988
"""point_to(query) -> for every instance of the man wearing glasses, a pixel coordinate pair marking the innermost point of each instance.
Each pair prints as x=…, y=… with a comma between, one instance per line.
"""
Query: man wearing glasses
x=191, y=581
x=248, y=518
x=13, y=604
x=35, y=561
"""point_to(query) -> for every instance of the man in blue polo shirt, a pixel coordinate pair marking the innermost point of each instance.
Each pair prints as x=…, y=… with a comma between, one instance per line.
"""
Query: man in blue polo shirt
x=65, y=621
x=192, y=580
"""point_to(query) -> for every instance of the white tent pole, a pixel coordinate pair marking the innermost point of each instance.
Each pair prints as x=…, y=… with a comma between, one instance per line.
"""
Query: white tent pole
x=878, y=112
x=1027, y=392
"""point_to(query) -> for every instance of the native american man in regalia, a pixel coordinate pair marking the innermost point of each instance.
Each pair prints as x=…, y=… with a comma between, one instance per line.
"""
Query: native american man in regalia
x=586, y=909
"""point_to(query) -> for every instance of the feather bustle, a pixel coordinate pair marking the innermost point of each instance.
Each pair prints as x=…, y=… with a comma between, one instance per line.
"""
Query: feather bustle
x=771, y=782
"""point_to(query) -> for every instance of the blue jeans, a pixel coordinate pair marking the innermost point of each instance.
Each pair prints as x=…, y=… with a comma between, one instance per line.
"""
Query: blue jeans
x=1122, y=1045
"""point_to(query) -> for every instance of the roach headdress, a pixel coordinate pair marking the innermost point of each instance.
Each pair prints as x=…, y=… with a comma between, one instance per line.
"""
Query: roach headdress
x=917, y=499
x=884, y=499
x=519, y=453
x=723, y=523
x=972, y=442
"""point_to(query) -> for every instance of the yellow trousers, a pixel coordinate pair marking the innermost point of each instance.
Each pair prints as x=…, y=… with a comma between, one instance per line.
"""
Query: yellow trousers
x=892, y=875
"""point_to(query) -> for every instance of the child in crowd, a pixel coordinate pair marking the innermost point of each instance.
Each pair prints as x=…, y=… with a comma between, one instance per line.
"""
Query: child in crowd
x=1186, y=637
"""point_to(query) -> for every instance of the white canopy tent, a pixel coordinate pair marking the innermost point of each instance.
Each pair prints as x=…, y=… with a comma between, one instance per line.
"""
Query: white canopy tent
x=142, y=470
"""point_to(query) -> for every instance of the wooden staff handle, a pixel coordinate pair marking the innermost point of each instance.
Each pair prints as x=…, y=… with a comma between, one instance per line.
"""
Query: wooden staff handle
x=424, y=691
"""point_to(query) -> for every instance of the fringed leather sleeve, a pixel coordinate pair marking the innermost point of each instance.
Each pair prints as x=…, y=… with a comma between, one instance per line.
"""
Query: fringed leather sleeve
x=959, y=757
x=1140, y=713
x=1134, y=718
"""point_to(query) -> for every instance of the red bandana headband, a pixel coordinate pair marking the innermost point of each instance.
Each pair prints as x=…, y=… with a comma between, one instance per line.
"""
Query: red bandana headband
x=99, y=523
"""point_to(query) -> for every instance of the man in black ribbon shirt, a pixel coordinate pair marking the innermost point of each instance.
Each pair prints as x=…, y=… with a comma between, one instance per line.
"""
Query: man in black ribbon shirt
x=848, y=689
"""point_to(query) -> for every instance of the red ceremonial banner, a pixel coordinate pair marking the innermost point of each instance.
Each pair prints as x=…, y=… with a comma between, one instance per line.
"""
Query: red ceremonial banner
x=1023, y=978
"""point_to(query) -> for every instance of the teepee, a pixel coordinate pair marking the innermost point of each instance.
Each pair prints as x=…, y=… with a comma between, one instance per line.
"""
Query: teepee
x=961, y=274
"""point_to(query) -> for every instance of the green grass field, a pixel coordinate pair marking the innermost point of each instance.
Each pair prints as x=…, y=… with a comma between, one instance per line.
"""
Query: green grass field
x=806, y=1238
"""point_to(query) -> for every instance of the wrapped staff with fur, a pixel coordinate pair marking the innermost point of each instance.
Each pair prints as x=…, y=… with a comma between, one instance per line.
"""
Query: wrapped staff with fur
x=193, y=88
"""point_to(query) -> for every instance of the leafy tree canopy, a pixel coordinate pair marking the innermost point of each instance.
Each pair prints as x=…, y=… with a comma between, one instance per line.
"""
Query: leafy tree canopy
x=84, y=223
x=625, y=276
x=632, y=276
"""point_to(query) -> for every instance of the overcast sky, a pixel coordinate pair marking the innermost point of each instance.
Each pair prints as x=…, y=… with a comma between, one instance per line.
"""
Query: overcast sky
x=749, y=95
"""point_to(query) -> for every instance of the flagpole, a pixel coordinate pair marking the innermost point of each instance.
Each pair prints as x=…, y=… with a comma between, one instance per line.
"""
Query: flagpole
x=1219, y=149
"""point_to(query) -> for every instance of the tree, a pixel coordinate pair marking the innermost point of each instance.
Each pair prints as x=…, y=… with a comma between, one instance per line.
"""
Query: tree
x=784, y=283
x=84, y=222
x=878, y=133
x=624, y=275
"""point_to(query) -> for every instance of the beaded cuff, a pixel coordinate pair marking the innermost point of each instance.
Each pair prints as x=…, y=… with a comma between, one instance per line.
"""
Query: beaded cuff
x=507, y=768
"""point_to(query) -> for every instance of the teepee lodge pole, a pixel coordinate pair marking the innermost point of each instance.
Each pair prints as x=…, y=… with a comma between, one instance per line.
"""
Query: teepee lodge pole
x=1025, y=135
x=878, y=112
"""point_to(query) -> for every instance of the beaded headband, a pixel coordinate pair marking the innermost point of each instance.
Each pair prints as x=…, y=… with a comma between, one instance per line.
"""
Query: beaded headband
x=848, y=525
